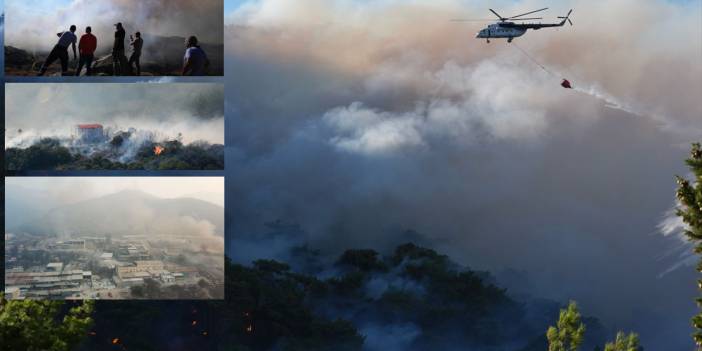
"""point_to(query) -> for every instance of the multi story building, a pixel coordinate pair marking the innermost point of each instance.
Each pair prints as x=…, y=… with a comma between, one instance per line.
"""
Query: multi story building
x=150, y=267
x=48, y=284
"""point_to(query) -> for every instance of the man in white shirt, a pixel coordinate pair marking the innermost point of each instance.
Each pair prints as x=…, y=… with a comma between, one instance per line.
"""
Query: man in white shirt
x=195, y=61
x=60, y=51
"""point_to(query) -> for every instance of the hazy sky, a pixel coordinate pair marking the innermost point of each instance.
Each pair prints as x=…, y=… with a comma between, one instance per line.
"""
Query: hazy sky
x=359, y=119
x=75, y=189
x=31, y=25
x=54, y=109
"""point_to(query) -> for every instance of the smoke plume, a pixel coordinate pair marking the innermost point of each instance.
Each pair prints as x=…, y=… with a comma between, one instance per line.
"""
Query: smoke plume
x=156, y=112
x=32, y=27
x=358, y=120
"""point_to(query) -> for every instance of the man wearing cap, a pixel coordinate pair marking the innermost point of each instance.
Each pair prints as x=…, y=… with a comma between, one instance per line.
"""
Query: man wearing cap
x=195, y=61
x=119, y=60
x=60, y=51
x=86, y=47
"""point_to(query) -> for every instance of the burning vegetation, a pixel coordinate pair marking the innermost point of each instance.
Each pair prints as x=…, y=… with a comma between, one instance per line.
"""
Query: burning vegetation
x=117, y=153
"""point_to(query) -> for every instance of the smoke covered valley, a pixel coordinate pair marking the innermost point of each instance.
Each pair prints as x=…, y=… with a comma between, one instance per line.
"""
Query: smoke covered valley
x=478, y=151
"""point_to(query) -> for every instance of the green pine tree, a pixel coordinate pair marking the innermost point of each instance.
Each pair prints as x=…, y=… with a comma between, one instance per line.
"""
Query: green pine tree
x=568, y=333
x=624, y=343
x=690, y=196
x=43, y=325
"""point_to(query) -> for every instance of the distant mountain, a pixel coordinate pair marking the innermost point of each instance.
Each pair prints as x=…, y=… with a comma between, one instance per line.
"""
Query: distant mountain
x=132, y=213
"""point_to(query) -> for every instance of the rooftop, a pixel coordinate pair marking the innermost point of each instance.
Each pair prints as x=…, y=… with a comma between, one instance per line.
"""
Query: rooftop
x=90, y=126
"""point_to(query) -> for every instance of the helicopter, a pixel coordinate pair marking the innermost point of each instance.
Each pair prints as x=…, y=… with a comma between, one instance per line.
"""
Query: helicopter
x=507, y=28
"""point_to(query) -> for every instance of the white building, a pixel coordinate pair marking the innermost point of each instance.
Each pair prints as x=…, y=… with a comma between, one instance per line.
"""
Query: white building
x=90, y=133
x=54, y=267
x=167, y=278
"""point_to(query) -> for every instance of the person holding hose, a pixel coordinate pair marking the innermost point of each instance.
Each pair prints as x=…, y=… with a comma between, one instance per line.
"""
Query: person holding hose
x=60, y=51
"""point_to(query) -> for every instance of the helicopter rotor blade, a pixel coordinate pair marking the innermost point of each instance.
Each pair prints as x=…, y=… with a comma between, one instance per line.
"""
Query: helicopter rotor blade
x=498, y=15
x=528, y=19
x=566, y=16
x=528, y=13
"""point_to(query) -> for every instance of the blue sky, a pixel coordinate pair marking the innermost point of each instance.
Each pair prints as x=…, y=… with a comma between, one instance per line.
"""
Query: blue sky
x=231, y=5
x=40, y=4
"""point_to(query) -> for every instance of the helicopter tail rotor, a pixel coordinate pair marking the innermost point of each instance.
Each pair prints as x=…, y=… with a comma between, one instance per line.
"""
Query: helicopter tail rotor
x=567, y=18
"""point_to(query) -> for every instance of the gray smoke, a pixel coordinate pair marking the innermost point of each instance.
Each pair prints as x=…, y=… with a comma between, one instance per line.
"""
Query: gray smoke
x=32, y=27
x=359, y=120
x=117, y=206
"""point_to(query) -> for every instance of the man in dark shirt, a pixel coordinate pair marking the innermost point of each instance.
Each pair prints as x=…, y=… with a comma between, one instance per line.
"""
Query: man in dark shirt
x=136, y=45
x=119, y=60
x=60, y=51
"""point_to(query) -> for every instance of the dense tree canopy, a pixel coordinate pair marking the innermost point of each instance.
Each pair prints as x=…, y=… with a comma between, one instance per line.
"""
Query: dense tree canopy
x=43, y=325
x=412, y=298
x=624, y=342
x=690, y=196
x=49, y=154
x=569, y=332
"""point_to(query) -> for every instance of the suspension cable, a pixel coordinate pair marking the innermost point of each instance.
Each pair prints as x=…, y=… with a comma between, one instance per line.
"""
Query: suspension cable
x=533, y=59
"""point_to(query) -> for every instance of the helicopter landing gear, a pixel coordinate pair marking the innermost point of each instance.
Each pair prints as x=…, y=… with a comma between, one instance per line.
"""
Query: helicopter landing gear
x=488, y=41
x=509, y=40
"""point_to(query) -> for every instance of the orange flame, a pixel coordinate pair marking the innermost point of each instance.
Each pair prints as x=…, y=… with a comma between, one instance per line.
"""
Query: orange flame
x=158, y=149
x=115, y=341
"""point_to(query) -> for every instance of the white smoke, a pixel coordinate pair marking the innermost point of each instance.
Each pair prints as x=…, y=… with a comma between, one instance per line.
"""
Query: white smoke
x=32, y=27
x=406, y=120
x=155, y=112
